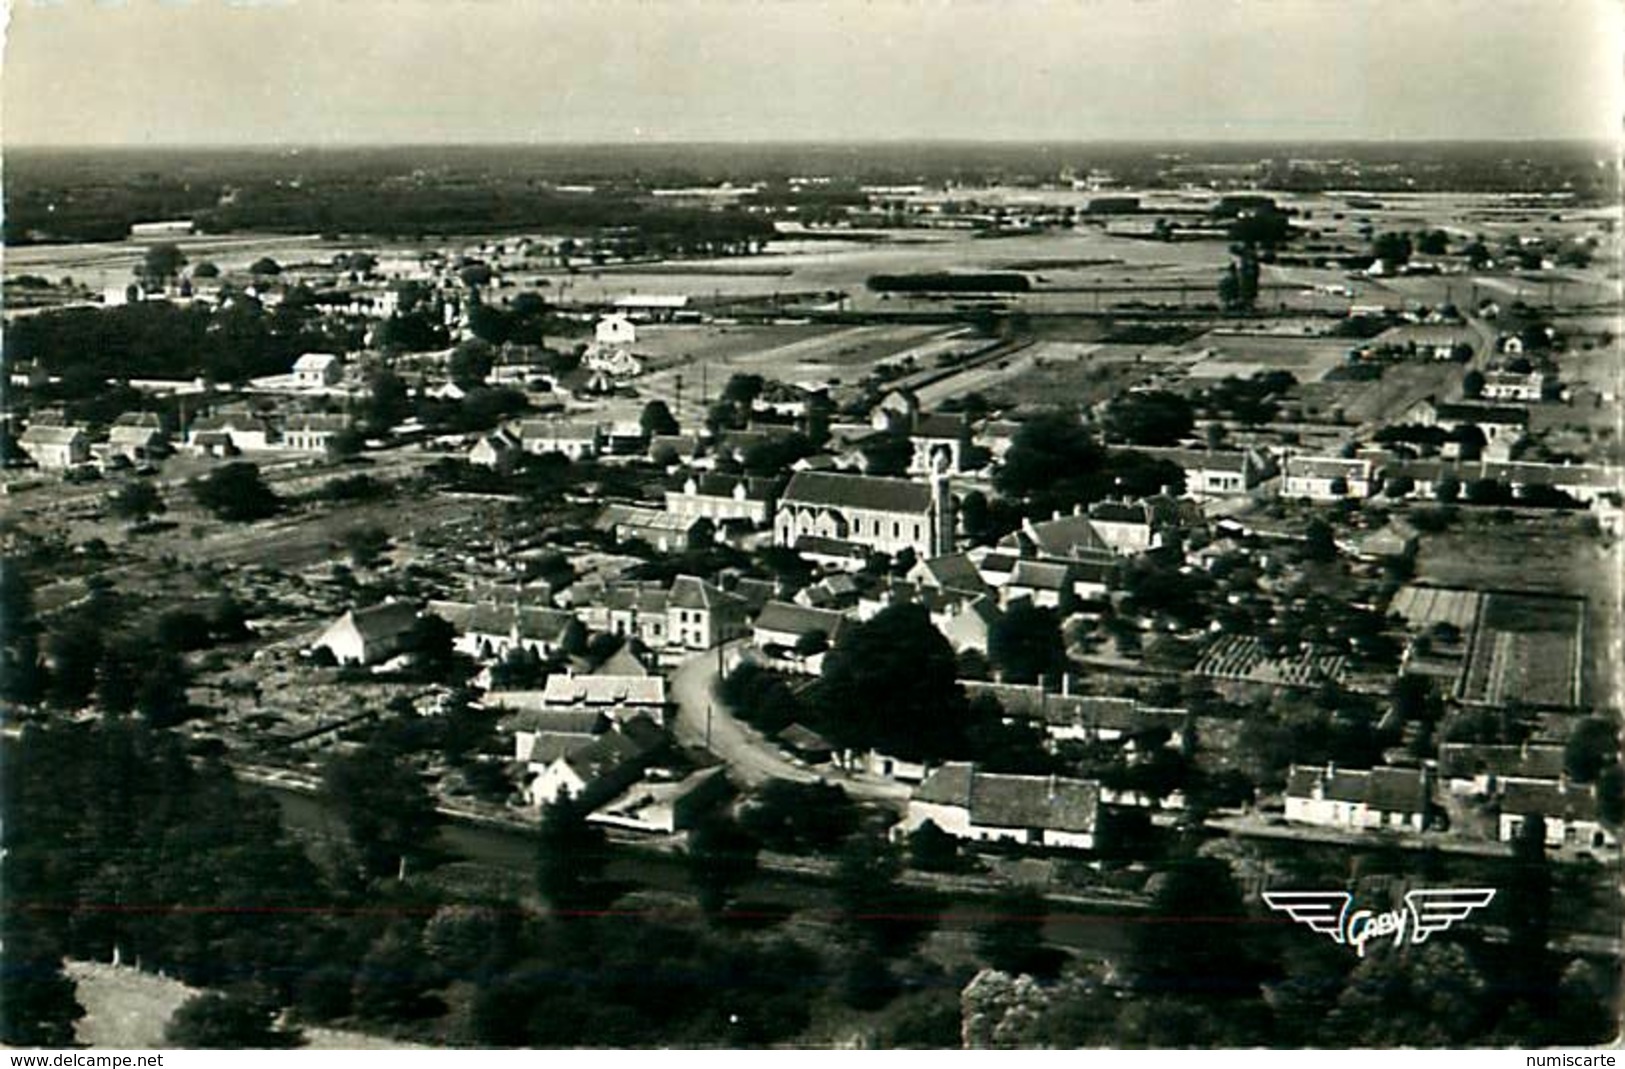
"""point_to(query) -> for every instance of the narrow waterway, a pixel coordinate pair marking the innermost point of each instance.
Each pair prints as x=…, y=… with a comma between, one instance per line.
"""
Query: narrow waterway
x=1091, y=932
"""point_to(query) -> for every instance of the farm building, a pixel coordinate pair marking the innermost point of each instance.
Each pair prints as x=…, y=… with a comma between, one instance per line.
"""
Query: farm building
x=1332, y=797
x=371, y=635
x=55, y=448
x=987, y=807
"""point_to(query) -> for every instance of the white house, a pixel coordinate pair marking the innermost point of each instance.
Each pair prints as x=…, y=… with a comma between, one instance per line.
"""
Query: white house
x=1328, y=478
x=314, y=432
x=55, y=448
x=314, y=371
x=1515, y=386
x=1395, y=798
x=616, y=329
x=371, y=635
x=1570, y=814
x=575, y=440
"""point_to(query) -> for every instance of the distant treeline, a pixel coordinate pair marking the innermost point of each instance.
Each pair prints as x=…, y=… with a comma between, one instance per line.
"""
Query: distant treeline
x=391, y=206
x=403, y=209
x=159, y=340
x=944, y=282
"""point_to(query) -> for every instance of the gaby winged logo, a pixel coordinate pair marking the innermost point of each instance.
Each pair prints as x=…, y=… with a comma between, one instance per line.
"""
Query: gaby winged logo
x=1331, y=913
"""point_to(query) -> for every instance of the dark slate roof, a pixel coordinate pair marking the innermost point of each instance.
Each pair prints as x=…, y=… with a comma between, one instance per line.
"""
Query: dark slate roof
x=639, y=597
x=612, y=751
x=954, y=571
x=558, y=721
x=1396, y=790
x=1327, y=468
x=549, y=746
x=1470, y=413
x=826, y=490
x=799, y=620
x=755, y=592
x=940, y=425
x=388, y=620
x=689, y=592
x=838, y=548
x=1047, y=802
x=1120, y=512
x=1003, y=801
x=714, y=484
x=804, y=740
x=318, y=422
x=1549, y=800
x=948, y=785
x=1037, y=575
x=1464, y=760
x=1064, y=536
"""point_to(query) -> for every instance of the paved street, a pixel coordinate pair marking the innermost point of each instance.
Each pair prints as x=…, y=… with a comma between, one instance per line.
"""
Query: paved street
x=751, y=758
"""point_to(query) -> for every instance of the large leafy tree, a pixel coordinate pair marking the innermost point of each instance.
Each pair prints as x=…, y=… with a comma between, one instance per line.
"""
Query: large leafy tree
x=386, y=809
x=38, y=1002
x=890, y=684
x=236, y=493
x=213, y=1021
x=721, y=859
x=1026, y=644
x=1193, y=943
x=1154, y=417
x=570, y=855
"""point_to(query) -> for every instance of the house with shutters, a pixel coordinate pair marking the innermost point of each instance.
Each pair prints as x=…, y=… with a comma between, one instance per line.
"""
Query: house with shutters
x=1219, y=472
x=719, y=497
x=701, y=615
x=313, y=432
x=1328, y=478
x=226, y=431
x=1497, y=422
x=573, y=439
x=1568, y=810
x=488, y=631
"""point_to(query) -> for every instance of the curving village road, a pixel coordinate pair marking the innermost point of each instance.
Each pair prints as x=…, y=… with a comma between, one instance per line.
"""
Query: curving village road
x=704, y=721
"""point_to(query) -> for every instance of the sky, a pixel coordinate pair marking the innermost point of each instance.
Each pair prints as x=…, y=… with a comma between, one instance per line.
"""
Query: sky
x=164, y=72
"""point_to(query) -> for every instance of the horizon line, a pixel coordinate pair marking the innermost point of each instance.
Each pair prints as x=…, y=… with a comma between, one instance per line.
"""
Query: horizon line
x=896, y=142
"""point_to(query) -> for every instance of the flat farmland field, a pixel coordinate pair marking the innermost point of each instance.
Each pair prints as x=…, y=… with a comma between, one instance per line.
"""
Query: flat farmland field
x=1070, y=373
x=1423, y=606
x=1244, y=355
x=1382, y=400
x=1527, y=650
x=1533, y=552
x=674, y=343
